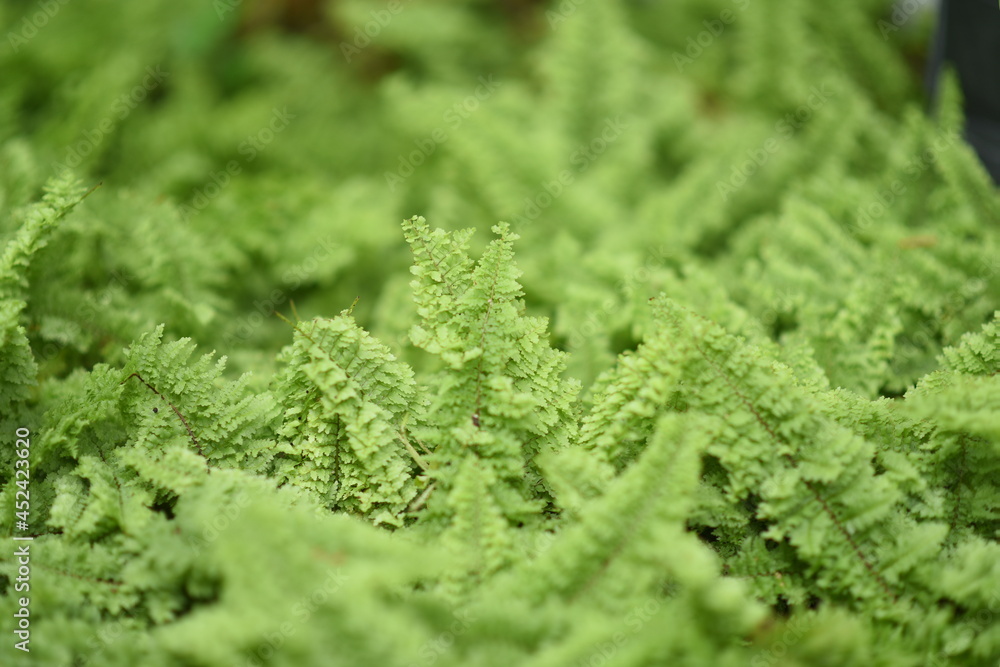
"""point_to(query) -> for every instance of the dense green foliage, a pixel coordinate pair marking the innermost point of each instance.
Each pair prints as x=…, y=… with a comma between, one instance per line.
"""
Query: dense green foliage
x=686, y=351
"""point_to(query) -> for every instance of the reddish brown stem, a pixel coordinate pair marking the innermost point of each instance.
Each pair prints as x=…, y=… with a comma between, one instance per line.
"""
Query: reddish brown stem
x=177, y=412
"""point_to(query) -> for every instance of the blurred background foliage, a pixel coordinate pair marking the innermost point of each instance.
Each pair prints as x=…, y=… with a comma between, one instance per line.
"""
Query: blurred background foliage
x=210, y=219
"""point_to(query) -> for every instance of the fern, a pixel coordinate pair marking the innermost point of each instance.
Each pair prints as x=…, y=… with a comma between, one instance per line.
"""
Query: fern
x=347, y=396
x=497, y=400
x=39, y=223
x=731, y=401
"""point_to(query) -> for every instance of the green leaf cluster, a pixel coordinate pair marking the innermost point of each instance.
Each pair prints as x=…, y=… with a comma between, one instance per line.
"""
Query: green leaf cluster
x=695, y=363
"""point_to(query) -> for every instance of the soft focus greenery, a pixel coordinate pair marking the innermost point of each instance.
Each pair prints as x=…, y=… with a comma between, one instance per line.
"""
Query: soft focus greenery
x=456, y=332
